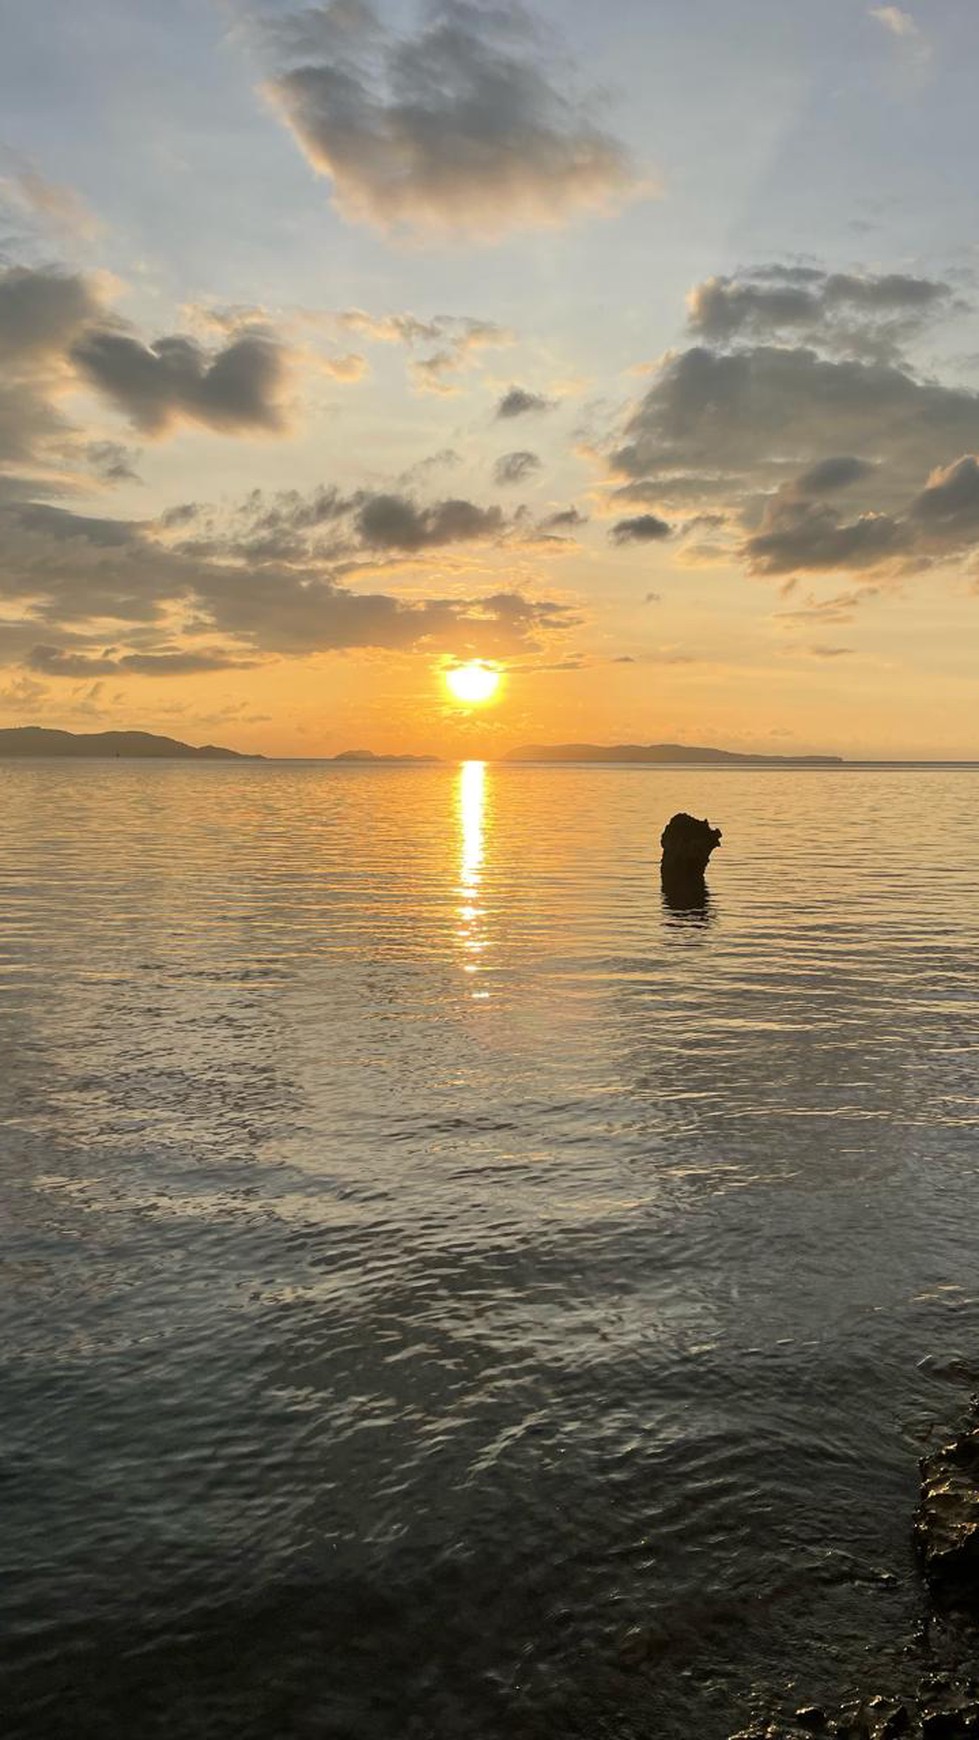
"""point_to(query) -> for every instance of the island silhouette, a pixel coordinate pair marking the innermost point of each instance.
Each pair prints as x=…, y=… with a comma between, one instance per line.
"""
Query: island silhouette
x=652, y=753
x=134, y=745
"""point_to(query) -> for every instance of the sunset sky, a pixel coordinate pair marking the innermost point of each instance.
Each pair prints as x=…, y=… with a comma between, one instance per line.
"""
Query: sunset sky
x=631, y=348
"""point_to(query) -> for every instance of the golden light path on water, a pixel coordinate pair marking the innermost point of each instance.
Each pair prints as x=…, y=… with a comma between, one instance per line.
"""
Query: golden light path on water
x=471, y=801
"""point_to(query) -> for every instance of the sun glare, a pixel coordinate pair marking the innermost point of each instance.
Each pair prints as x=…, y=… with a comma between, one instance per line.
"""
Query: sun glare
x=472, y=684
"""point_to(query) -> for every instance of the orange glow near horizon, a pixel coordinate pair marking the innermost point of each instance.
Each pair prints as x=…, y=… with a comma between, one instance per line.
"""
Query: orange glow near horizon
x=474, y=684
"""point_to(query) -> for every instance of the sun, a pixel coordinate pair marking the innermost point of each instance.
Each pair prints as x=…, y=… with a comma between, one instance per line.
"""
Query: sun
x=472, y=684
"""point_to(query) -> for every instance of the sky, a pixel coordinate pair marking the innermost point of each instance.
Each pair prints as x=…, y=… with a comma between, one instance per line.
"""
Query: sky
x=632, y=350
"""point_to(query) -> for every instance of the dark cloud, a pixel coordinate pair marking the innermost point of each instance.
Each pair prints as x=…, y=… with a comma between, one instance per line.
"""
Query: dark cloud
x=61, y=524
x=181, y=514
x=829, y=475
x=394, y=522
x=67, y=572
x=56, y=329
x=518, y=402
x=112, y=462
x=290, y=510
x=870, y=315
x=565, y=520
x=725, y=421
x=289, y=613
x=41, y=311
x=459, y=128
x=234, y=389
x=642, y=529
x=65, y=567
x=32, y=430
x=516, y=467
x=766, y=433
x=949, y=503
x=56, y=661
x=808, y=535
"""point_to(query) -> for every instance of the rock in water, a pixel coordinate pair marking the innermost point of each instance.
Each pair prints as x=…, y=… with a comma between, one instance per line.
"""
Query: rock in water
x=687, y=845
x=946, y=1523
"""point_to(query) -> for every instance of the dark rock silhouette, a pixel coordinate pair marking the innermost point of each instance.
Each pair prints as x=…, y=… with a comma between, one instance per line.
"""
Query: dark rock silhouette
x=938, y=1697
x=687, y=845
x=946, y=1523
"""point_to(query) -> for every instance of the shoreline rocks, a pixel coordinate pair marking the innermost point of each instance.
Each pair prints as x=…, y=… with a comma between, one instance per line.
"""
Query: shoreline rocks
x=946, y=1524
x=942, y=1702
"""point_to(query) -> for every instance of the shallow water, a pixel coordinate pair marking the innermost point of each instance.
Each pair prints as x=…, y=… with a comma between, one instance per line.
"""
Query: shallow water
x=436, y=1275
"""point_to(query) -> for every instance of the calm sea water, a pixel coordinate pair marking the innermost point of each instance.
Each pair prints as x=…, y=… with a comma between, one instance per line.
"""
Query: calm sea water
x=445, y=1292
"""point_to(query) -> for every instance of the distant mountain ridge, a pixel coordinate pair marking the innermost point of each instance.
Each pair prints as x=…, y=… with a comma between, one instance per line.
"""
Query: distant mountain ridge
x=652, y=754
x=359, y=755
x=36, y=740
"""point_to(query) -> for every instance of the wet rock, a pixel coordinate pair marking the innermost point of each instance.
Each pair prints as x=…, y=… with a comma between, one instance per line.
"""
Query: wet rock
x=946, y=1523
x=687, y=845
x=943, y=1703
x=943, y=1708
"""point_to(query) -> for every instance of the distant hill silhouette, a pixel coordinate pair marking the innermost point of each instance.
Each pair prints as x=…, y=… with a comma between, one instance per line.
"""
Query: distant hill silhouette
x=368, y=755
x=664, y=753
x=132, y=745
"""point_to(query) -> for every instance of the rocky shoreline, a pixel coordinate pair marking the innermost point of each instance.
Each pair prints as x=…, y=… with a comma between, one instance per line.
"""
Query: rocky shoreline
x=938, y=1698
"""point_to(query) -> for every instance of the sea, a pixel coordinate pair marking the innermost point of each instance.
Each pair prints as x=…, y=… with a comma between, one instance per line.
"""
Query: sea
x=447, y=1291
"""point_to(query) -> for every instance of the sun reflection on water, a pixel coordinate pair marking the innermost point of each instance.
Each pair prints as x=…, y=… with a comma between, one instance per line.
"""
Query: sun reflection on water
x=471, y=930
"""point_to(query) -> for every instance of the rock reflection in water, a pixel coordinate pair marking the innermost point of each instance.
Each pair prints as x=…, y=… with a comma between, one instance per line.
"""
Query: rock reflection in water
x=687, y=903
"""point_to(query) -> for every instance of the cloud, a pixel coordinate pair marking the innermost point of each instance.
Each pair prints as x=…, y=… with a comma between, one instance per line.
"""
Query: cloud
x=58, y=331
x=111, y=462
x=69, y=573
x=452, y=342
x=55, y=661
x=767, y=431
x=864, y=315
x=518, y=402
x=41, y=312
x=829, y=475
x=350, y=367
x=718, y=423
x=808, y=535
x=58, y=207
x=513, y=468
x=893, y=19
x=949, y=503
x=643, y=529
x=457, y=130
x=565, y=520
x=235, y=389
x=394, y=522
x=21, y=693
x=841, y=608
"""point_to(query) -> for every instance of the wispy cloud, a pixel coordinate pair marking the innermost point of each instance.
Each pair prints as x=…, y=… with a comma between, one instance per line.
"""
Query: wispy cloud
x=449, y=342
x=893, y=19
x=51, y=204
